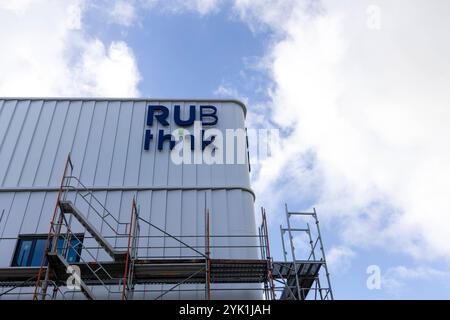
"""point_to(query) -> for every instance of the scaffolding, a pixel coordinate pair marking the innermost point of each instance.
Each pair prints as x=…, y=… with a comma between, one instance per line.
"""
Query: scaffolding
x=130, y=272
x=304, y=273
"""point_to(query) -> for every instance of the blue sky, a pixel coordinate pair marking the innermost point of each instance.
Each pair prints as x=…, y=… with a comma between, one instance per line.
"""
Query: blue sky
x=347, y=83
x=186, y=54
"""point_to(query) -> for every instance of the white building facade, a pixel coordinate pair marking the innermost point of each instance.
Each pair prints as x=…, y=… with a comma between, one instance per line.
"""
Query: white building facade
x=117, y=153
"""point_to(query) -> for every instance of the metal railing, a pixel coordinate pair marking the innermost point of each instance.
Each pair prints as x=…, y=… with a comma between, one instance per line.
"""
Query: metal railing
x=312, y=258
x=281, y=279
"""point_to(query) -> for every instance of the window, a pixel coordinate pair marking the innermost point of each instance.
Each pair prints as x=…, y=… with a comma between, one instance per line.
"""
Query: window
x=30, y=248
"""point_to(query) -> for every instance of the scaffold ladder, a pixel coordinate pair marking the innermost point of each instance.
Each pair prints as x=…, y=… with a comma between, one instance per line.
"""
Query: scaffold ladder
x=303, y=274
x=61, y=230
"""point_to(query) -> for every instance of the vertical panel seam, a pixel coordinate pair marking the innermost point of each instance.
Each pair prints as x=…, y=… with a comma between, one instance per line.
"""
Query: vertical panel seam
x=76, y=128
x=40, y=214
x=110, y=167
x=1, y=107
x=15, y=145
x=25, y=212
x=96, y=167
x=141, y=147
x=85, y=150
x=9, y=125
x=114, y=143
x=128, y=144
x=183, y=144
x=59, y=143
x=31, y=143
x=165, y=222
x=154, y=152
x=168, y=157
x=101, y=142
x=87, y=137
x=9, y=212
x=45, y=142
x=112, y=152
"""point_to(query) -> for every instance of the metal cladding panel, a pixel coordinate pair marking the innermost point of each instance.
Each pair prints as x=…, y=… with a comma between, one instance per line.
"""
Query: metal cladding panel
x=105, y=138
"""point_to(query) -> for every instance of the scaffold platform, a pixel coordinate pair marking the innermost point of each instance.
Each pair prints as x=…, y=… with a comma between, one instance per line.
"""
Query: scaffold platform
x=291, y=279
x=169, y=271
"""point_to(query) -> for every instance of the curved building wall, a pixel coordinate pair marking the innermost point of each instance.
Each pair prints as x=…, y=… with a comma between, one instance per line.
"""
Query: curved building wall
x=106, y=140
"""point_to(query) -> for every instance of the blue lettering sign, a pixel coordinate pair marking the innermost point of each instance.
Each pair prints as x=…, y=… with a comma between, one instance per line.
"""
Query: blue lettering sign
x=208, y=117
x=161, y=117
x=209, y=114
x=184, y=123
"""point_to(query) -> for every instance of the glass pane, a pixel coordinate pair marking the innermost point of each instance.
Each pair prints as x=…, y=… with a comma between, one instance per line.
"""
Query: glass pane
x=38, y=252
x=23, y=253
x=24, y=256
x=59, y=246
x=74, y=251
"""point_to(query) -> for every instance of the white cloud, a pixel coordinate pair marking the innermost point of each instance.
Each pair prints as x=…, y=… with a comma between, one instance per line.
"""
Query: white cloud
x=371, y=108
x=47, y=53
x=265, y=13
x=226, y=91
x=339, y=259
x=73, y=16
x=107, y=71
x=17, y=6
x=202, y=6
x=397, y=278
x=123, y=13
x=180, y=6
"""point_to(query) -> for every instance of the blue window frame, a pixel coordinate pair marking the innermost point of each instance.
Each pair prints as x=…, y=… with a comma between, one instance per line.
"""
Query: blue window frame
x=30, y=248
